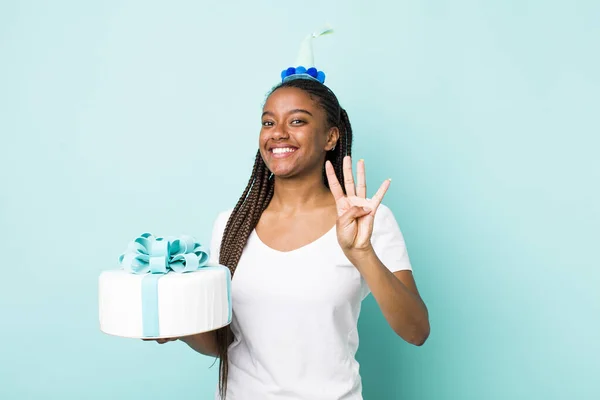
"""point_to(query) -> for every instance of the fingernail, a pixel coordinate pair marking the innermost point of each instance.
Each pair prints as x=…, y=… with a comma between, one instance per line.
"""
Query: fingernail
x=367, y=209
x=361, y=160
x=390, y=179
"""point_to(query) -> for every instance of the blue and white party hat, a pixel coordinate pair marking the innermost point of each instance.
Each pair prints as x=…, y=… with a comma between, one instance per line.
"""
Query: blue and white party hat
x=305, y=62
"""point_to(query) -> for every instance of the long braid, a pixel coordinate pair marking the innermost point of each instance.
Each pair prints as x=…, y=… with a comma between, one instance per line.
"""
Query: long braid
x=345, y=148
x=243, y=219
x=259, y=192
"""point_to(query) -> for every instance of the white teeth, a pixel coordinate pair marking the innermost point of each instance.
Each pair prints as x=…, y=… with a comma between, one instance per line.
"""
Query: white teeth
x=279, y=150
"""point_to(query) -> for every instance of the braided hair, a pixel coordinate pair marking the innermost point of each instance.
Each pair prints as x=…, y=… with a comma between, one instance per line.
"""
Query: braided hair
x=259, y=192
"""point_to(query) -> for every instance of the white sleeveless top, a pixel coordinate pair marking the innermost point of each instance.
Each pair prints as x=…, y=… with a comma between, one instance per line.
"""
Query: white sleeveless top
x=295, y=315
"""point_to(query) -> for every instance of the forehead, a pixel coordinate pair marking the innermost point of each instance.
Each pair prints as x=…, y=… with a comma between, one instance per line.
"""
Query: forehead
x=290, y=98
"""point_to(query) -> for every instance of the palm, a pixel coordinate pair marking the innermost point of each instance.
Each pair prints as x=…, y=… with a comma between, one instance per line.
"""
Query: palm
x=354, y=231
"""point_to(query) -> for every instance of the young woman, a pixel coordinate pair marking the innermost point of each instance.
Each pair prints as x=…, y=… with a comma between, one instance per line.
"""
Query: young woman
x=306, y=246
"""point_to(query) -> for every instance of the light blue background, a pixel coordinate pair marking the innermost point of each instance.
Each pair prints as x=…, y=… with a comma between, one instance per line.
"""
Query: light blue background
x=118, y=117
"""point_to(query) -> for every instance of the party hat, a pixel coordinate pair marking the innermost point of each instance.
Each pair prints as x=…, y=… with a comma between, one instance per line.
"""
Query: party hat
x=305, y=62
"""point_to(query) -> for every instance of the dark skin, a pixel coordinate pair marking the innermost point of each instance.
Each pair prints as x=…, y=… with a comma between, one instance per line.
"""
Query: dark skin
x=303, y=209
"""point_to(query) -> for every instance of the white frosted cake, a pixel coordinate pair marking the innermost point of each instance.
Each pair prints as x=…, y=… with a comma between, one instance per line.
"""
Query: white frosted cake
x=164, y=289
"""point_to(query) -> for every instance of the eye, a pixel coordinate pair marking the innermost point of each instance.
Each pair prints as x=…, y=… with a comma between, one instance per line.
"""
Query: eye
x=267, y=123
x=297, y=122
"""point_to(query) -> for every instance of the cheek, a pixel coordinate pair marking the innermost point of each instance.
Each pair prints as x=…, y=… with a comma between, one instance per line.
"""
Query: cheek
x=308, y=137
x=262, y=139
x=317, y=141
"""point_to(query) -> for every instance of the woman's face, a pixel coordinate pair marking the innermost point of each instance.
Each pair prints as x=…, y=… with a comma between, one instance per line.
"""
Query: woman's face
x=294, y=135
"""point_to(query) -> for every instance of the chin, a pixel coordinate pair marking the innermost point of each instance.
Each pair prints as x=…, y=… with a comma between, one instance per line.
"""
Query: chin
x=282, y=172
x=282, y=168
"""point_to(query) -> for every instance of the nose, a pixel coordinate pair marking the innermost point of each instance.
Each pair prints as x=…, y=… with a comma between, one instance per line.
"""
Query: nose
x=280, y=132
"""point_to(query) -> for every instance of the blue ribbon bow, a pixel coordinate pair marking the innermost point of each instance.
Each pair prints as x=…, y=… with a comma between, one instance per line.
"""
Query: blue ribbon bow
x=157, y=256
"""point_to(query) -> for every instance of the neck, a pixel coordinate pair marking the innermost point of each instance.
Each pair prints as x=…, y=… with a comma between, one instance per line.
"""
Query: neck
x=296, y=195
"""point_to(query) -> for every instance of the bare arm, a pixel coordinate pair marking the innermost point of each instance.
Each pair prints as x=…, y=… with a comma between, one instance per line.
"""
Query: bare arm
x=204, y=343
x=396, y=293
x=398, y=298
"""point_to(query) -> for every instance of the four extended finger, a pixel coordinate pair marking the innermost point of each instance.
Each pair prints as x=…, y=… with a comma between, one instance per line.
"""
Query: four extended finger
x=334, y=184
x=378, y=197
x=348, y=176
x=361, y=182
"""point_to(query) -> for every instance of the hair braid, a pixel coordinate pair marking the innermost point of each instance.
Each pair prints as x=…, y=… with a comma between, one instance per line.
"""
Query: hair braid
x=259, y=192
x=343, y=148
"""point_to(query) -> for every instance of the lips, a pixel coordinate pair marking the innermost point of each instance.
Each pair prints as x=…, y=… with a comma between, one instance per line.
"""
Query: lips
x=282, y=151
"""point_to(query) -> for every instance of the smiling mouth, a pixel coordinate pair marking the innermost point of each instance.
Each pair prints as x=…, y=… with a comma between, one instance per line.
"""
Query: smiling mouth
x=283, y=150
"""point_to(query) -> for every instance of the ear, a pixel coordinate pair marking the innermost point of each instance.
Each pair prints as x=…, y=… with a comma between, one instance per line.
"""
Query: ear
x=332, y=137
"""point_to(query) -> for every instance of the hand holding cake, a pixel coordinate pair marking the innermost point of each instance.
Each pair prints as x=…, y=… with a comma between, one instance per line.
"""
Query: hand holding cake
x=161, y=341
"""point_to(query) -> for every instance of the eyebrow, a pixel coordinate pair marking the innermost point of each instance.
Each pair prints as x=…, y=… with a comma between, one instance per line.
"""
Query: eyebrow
x=296, y=110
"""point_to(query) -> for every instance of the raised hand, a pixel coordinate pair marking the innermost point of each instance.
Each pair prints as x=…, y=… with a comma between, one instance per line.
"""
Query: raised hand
x=356, y=212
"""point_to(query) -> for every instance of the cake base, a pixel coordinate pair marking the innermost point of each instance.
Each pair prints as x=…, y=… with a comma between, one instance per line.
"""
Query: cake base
x=164, y=306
